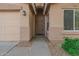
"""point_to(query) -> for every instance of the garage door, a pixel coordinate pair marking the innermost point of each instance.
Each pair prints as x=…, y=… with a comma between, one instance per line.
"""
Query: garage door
x=9, y=25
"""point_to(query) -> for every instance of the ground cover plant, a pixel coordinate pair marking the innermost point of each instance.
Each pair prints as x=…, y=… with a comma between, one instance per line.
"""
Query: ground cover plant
x=71, y=45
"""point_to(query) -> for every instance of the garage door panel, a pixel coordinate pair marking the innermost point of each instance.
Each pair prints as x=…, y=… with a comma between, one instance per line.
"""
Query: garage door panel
x=9, y=26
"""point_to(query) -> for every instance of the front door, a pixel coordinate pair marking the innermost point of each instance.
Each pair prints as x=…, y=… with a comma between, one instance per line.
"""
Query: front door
x=40, y=24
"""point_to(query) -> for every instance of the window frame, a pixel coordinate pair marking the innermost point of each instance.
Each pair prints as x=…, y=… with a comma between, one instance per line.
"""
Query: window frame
x=74, y=30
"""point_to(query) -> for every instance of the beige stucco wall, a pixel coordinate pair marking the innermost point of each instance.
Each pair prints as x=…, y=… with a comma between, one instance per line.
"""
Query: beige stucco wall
x=24, y=28
x=56, y=22
x=8, y=6
x=32, y=24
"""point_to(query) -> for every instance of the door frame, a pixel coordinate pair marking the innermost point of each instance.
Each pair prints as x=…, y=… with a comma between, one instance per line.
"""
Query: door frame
x=46, y=24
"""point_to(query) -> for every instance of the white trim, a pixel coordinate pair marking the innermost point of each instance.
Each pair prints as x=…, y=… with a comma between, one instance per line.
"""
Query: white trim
x=71, y=30
x=74, y=19
x=45, y=24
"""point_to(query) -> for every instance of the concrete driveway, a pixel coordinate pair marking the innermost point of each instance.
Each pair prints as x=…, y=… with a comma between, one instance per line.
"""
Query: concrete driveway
x=19, y=51
x=6, y=46
x=39, y=48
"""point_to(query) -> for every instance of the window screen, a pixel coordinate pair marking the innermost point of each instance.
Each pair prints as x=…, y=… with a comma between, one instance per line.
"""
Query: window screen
x=68, y=19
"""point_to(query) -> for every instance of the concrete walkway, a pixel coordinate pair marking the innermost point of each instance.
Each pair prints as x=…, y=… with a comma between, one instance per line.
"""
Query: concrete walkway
x=39, y=48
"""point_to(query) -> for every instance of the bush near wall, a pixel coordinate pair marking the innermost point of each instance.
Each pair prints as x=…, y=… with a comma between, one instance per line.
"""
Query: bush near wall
x=71, y=45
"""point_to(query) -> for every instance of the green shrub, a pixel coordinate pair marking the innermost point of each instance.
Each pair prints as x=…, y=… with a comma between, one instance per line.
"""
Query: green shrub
x=71, y=45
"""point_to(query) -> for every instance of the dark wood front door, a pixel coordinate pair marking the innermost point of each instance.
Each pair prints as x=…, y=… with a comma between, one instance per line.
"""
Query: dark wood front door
x=40, y=24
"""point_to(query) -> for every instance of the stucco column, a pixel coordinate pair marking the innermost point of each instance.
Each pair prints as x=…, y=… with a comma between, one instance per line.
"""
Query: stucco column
x=24, y=27
x=55, y=24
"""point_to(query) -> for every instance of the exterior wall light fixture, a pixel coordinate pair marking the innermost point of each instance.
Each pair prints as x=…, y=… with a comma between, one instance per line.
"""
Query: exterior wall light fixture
x=23, y=12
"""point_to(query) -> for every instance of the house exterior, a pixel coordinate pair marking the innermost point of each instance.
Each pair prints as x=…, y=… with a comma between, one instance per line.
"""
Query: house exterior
x=63, y=21
x=14, y=25
x=17, y=21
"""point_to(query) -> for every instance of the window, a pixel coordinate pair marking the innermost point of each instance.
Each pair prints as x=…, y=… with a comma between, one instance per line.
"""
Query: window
x=71, y=19
x=77, y=20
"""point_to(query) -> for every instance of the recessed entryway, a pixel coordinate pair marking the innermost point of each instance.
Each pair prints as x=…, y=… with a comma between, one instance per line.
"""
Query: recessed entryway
x=39, y=22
